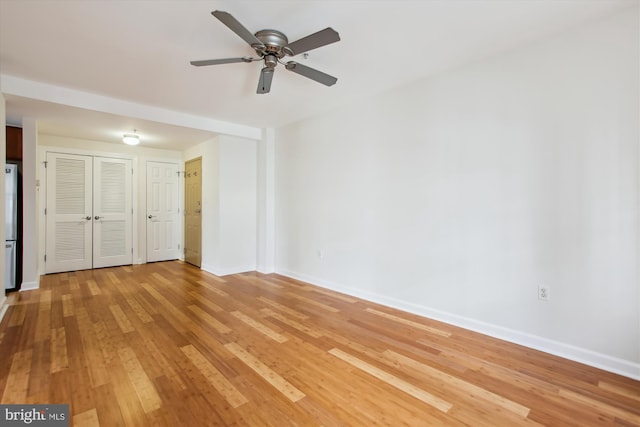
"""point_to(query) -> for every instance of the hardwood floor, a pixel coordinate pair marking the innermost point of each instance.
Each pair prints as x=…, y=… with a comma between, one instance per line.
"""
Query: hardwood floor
x=167, y=344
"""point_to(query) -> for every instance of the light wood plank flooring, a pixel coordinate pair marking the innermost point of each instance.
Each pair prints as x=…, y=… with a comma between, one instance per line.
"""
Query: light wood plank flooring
x=167, y=344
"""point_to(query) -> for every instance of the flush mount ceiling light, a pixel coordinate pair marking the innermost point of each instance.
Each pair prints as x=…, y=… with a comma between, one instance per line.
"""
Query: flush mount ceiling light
x=131, y=138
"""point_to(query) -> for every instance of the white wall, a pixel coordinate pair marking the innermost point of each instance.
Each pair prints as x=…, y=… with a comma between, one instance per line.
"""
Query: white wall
x=229, y=203
x=140, y=156
x=30, y=206
x=458, y=195
x=266, y=203
x=238, y=202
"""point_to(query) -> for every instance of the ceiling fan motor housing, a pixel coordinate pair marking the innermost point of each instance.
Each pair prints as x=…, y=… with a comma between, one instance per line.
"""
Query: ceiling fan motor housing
x=274, y=43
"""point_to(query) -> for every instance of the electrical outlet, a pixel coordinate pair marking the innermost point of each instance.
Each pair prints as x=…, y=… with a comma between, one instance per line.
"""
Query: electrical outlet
x=543, y=292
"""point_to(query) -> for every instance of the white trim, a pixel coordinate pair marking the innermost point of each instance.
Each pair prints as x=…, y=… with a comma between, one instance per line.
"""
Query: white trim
x=227, y=271
x=30, y=286
x=79, y=151
x=567, y=351
x=3, y=305
x=638, y=195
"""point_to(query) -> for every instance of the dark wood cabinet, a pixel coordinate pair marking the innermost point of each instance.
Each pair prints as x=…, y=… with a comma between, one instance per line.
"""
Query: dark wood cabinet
x=14, y=143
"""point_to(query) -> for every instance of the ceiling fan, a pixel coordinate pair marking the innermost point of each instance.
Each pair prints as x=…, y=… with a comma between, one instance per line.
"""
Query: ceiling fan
x=271, y=46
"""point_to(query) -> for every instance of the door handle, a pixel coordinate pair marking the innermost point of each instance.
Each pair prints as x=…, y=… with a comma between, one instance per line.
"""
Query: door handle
x=151, y=216
x=88, y=217
x=97, y=217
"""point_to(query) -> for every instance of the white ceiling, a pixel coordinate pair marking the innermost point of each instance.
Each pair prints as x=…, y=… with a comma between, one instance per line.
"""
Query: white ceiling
x=137, y=52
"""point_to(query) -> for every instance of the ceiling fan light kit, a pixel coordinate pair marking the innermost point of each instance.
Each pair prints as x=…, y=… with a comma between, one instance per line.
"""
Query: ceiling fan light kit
x=271, y=46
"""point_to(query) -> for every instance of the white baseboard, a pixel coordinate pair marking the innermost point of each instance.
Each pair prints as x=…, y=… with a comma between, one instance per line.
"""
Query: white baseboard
x=588, y=357
x=3, y=306
x=265, y=269
x=226, y=271
x=30, y=286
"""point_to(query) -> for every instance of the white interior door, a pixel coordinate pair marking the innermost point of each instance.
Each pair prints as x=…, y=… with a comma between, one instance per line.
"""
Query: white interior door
x=69, y=213
x=112, y=212
x=162, y=211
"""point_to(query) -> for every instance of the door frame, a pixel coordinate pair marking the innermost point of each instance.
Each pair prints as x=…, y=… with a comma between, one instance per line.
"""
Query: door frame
x=41, y=185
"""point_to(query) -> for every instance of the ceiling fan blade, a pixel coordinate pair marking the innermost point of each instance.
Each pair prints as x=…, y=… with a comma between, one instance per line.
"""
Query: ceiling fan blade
x=234, y=25
x=311, y=73
x=314, y=41
x=221, y=61
x=264, y=84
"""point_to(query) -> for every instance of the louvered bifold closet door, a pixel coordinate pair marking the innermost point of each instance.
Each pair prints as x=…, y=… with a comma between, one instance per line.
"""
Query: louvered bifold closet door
x=69, y=209
x=112, y=212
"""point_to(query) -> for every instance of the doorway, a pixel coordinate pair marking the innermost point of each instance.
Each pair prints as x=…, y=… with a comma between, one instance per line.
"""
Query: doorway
x=193, y=212
x=89, y=212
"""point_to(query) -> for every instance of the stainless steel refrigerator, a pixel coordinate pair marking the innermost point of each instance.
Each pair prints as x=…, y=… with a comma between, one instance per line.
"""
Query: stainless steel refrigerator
x=11, y=230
